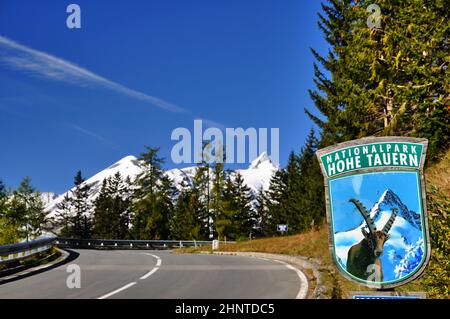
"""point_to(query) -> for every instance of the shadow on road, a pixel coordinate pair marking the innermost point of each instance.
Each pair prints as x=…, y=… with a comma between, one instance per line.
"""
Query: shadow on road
x=30, y=272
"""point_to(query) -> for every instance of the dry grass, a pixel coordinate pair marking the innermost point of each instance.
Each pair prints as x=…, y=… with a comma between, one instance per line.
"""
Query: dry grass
x=439, y=174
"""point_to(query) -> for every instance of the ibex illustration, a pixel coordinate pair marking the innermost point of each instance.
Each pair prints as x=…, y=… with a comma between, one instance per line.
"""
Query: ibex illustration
x=368, y=251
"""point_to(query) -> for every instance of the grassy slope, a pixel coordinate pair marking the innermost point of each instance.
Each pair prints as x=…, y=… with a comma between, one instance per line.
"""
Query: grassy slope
x=315, y=243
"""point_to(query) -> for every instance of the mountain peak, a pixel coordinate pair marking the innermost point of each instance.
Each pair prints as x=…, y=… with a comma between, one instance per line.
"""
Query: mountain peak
x=262, y=158
x=128, y=158
x=389, y=200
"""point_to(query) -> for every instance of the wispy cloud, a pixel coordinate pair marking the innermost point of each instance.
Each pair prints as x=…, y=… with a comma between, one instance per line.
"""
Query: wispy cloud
x=93, y=135
x=211, y=123
x=18, y=56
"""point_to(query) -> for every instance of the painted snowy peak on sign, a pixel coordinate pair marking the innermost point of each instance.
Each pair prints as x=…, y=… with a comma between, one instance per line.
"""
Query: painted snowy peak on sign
x=403, y=251
x=256, y=176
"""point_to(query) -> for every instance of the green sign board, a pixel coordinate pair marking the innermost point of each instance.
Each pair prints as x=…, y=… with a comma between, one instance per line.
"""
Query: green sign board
x=376, y=209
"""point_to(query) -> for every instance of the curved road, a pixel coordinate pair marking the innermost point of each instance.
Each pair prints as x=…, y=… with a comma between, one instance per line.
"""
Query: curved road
x=158, y=274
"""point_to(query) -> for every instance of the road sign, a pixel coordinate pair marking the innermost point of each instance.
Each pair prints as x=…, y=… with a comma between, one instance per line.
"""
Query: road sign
x=376, y=209
x=282, y=228
x=215, y=244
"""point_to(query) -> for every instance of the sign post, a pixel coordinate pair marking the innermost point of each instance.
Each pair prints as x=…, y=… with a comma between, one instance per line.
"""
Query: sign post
x=376, y=209
x=282, y=228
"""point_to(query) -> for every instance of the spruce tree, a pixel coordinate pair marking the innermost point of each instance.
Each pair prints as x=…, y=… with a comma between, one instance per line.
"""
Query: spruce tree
x=390, y=80
x=276, y=202
x=112, y=209
x=201, y=199
x=241, y=200
x=63, y=216
x=216, y=208
x=150, y=198
x=262, y=214
x=185, y=222
x=166, y=205
x=225, y=221
x=81, y=205
x=294, y=193
x=311, y=201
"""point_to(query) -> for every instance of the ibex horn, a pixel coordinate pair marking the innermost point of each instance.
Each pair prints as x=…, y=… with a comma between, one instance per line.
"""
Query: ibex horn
x=365, y=214
x=389, y=223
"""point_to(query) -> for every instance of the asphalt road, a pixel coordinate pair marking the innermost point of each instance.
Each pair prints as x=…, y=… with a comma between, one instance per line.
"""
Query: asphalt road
x=159, y=274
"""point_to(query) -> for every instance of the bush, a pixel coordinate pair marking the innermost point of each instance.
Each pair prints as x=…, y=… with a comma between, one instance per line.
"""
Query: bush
x=437, y=276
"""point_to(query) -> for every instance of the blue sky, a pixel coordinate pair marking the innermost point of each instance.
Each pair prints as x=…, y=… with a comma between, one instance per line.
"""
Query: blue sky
x=368, y=188
x=136, y=70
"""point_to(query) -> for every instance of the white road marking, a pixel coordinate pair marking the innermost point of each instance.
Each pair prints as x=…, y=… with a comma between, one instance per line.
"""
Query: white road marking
x=151, y=272
x=303, y=292
x=131, y=284
x=117, y=290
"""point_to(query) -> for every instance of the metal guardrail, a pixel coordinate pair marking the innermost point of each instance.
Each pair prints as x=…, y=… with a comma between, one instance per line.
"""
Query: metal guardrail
x=128, y=244
x=14, y=252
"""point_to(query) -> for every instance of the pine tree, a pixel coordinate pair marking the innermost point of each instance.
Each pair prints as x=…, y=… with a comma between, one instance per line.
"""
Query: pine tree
x=201, y=199
x=150, y=215
x=294, y=193
x=311, y=201
x=328, y=100
x=21, y=212
x=246, y=214
x=31, y=208
x=391, y=80
x=225, y=218
x=216, y=208
x=276, y=202
x=166, y=206
x=112, y=209
x=73, y=212
x=185, y=222
x=80, y=203
x=63, y=217
x=262, y=213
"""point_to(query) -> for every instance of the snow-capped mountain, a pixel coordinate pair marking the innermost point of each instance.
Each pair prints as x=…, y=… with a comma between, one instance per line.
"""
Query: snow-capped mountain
x=389, y=200
x=403, y=251
x=257, y=175
x=127, y=166
x=48, y=197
